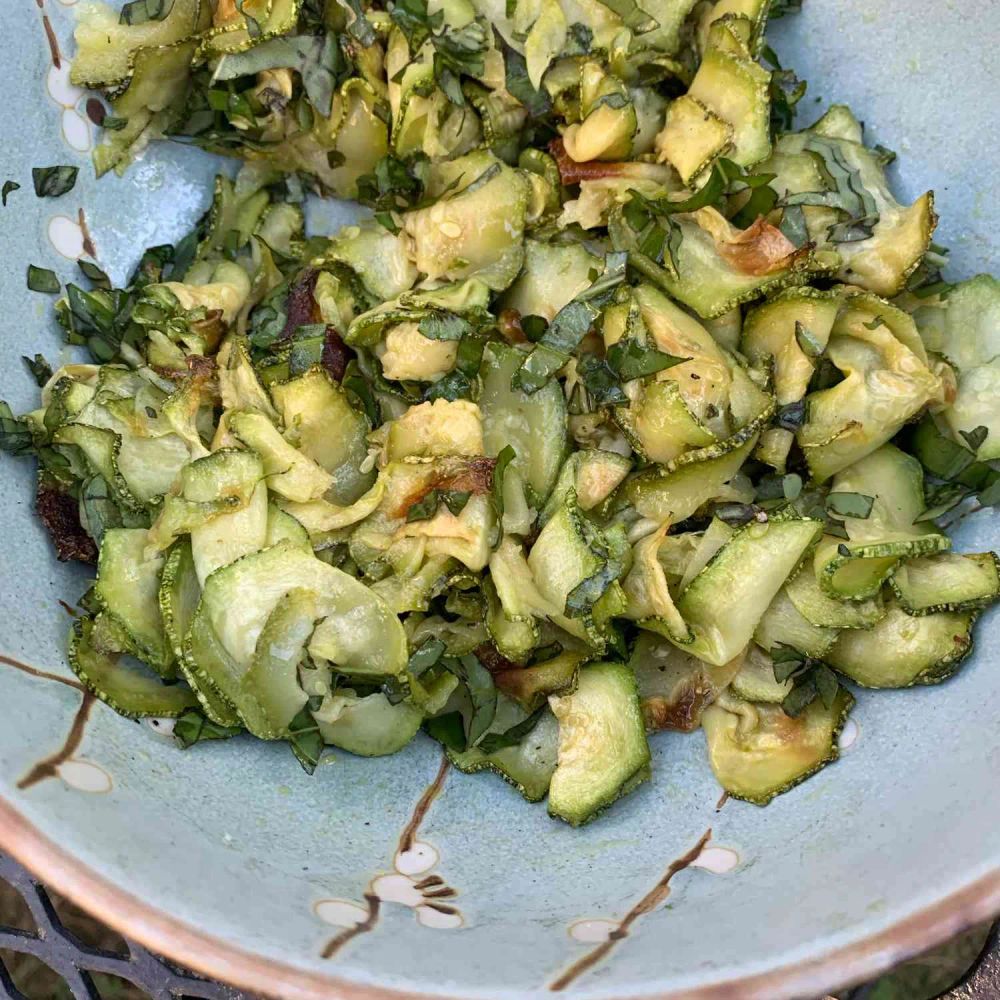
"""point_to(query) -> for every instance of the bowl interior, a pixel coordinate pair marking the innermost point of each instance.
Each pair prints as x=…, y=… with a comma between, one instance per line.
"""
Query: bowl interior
x=411, y=878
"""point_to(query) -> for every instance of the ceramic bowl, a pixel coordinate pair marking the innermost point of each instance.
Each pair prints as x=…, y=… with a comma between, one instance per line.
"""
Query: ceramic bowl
x=383, y=878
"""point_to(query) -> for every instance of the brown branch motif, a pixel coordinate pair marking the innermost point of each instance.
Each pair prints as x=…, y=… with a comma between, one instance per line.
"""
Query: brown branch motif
x=49, y=766
x=412, y=883
x=650, y=901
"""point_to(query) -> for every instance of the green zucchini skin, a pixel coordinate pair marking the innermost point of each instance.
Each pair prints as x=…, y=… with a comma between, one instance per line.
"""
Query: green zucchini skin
x=949, y=582
x=903, y=650
x=603, y=752
x=780, y=753
x=131, y=692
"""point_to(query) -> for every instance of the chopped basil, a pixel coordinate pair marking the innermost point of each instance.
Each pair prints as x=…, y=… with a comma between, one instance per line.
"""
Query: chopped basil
x=425, y=656
x=580, y=37
x=738, y=514
x=41, y=279
x=41, y=370
x=849, y=504
x=478, y=682
x=603, y=385
x=843, y=191
x=791, y=416
x=614, y=553
x=9, y=187
x=492, y=742
x=94, y=274
x=457, y=51
x=448, y=730
x=357, y=385
x=15, y=435
x=192, y=727
x=140, y=11
x=112, y=123
x=975, y=438
x=807, y=342
x=504, y=458
x=568, y=328
x=779, y=8
x=537, y=103
x=629, y=359
x=786, y=90
x=306, y=740
x=425, y=508
x=455, y=500
x=52, y=182
x=444, y=326
x=810, y=679
x=791, y=485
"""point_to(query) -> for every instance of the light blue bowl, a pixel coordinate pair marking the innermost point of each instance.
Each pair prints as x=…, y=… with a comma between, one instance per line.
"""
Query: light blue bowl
x=413, y=880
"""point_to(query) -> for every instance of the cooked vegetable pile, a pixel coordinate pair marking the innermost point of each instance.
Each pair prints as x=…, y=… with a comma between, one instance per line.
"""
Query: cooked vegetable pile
x=626, y=408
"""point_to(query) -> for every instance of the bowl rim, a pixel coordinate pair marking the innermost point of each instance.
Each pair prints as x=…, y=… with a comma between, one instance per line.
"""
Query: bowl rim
x=209, y=956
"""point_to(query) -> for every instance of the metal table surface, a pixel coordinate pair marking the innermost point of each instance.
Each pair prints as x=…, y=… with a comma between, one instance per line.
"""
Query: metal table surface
x=84, y=969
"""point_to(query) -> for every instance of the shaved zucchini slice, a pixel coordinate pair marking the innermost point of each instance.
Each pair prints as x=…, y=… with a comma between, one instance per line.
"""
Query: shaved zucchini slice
x=692, y=136
x=477, y=231
x=370, y=726
x=603, y=753
x=675, y=494
x=179, y=595
x=744, y=577
x=885, y=384
x=719, y=267
x=902, y=650
x=769, y=331
x=289, y=472
x=530, y=686
x=534, y=426
x=827, y=612
x=128, y=586
x=270, y=693
x=358, y=632
x=515, y=636
x=756, y=681
x=648, y=596
x=564, y=556
x=763, y=752
x=320, y=423
x=857, y=569
x=594, y=474
x=529, y=764
x=783, y=624
x=282, y=526
x=95, y=651
x=882, y=261
x=947, y=582
x=105, y=48
x=608, y=118
x=434, y=429
x=553, y=275
x=963, y=327
x=674, y=686
x=735, y=88
x=218, y=484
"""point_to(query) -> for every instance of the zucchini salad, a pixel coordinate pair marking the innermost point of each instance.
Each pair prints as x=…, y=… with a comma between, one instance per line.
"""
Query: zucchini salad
x=628, y=405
